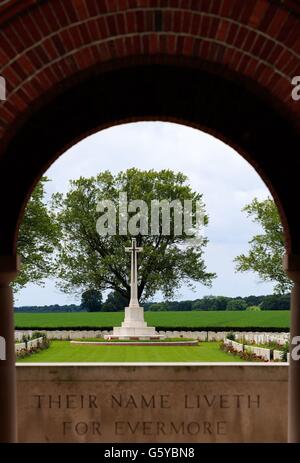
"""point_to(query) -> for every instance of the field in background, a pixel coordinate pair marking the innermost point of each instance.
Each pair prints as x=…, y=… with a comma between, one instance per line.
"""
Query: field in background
x=64, y=351
x=271, y=319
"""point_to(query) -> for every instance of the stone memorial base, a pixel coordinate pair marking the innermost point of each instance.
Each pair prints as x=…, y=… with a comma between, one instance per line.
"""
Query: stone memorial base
x=134, y=326
x=156, y=403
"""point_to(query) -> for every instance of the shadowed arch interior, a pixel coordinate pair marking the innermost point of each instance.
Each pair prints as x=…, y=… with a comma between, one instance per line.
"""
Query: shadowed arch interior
x=185, y=94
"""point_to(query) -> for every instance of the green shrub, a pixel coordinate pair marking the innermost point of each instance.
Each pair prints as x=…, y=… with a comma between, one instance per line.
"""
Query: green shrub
x=38, y=334
x=253, y=308
x=231, y=336
x=285, y=351
x=236, y=304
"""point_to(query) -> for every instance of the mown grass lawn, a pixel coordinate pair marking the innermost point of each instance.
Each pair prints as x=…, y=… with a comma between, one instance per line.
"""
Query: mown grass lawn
x=194, y=319
x=64, y=351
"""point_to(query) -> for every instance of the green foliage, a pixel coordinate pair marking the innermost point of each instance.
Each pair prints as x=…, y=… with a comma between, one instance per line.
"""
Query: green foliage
x=253, y=308
x=276, y=302
x=38, y=238
x=157, y=307
x=115, y=302
x=236, y=304
x=49, y=308
x=91, y=300
x=267, y=249
x=38, y=334
x=211, y=303
x=86, y=259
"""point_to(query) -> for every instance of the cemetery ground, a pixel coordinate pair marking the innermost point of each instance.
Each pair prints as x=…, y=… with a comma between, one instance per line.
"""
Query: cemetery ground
x=64, y=351
x=215, y=320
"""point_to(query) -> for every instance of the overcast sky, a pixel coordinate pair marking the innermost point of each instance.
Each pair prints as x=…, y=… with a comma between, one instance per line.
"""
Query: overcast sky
x=226, y=180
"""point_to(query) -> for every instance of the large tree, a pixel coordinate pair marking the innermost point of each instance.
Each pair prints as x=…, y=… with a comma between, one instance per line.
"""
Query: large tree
x=115, y=302
x=38, y=238
x=87, y=259
x=266, y=249
x=91, y=300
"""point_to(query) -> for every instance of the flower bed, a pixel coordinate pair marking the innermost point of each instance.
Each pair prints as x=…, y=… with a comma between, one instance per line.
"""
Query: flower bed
x=256, y=352
x=30, y=346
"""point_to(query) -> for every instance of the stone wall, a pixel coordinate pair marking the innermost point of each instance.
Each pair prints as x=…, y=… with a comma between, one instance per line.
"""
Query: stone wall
x=247, y=336
x=161, y=403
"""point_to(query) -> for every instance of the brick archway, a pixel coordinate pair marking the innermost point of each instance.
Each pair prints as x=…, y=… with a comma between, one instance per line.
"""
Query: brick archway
x=224, y=67
x=47, y=47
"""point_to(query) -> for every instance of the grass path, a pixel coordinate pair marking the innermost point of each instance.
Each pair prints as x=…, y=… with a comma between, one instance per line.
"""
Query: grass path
x=64, y=351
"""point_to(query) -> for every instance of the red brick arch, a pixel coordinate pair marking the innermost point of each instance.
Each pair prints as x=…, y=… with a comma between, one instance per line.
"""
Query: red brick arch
x=47, y=42
x=49, y=48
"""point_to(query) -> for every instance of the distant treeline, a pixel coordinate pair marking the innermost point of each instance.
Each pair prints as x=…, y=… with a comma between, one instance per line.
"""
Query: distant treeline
x=214, y=303
x=49, y=308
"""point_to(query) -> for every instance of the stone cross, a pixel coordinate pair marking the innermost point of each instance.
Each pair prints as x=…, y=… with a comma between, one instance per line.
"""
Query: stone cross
x=134, y=302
